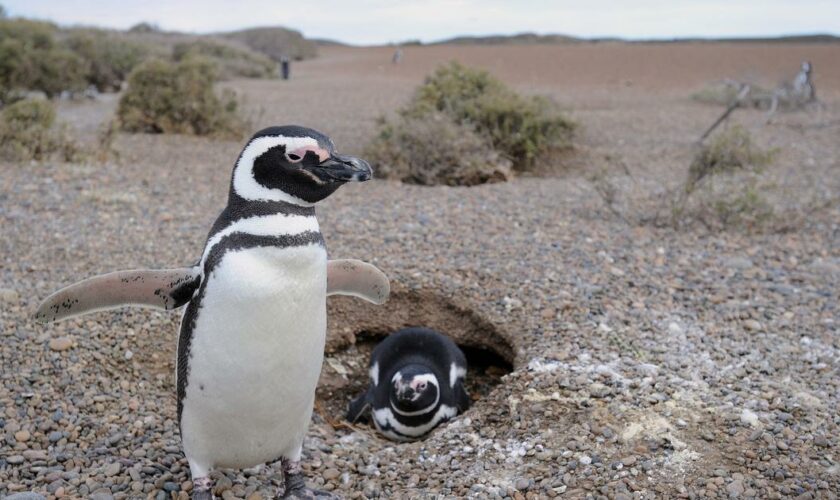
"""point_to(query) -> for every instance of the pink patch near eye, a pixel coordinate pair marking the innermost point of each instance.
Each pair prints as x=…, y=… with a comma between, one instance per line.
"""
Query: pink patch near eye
x=300, y=153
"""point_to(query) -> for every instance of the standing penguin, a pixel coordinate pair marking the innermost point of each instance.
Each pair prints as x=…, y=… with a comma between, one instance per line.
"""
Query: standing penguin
x=417, y=382
x=252, y=335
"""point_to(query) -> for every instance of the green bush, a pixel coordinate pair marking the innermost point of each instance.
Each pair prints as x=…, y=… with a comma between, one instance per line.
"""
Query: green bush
x=522, y=128
x=232, y=60
x=519, y=129
x=431, y=149
x=178, y=98
x=107, y=59
x=31, y=59
x=28, y=132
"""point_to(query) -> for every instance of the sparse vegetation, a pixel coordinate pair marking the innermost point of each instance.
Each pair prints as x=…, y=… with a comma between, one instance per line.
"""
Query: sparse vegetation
x=107, y=58
x=723, y=187
x=431, y=149
x=231, y=59
x=276, y=42
x=28, y=132
x=31, y=59
x=519, y=129
x=178, y=98
x=729, y=151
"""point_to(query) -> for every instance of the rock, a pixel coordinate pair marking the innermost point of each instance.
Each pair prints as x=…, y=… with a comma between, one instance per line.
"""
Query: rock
x=749, y=418
x=55, y=436
x=739, y=263
x=628, y=461
x=735, y=488
x=61, y=343
x=25, y=496
x=752, y=325
x=330, y=474
x=522, y=484
x=585, y=459
x=15, y=459
x=34, y=455
x=22, y=436
x=112, y=469
x=9, y=296
x=101, y=495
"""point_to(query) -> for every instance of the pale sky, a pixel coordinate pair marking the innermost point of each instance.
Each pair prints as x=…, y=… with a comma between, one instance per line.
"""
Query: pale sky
x=367, y=22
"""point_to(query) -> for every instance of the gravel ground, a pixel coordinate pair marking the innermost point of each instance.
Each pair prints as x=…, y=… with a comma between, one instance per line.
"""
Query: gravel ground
x=648, y=362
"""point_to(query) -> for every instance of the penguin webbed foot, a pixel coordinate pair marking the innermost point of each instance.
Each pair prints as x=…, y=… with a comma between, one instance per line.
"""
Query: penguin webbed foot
x=295, y=485
x=202, y=489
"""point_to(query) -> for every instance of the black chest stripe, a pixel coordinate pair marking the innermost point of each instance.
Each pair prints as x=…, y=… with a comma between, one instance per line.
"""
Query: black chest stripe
x=233, y=241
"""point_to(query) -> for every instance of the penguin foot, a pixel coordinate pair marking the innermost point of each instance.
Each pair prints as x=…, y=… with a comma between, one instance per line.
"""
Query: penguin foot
x=202, y=489
x=295, y=485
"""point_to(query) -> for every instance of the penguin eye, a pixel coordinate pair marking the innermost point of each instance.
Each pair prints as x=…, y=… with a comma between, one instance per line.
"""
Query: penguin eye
x=422, y=386
x=293, y=158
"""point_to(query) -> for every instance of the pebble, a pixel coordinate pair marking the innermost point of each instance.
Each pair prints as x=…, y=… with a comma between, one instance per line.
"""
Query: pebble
x=25, y=496
x=9, y=296
x=522, y=484
x=330, y=474
x=112, y=469
x=61, y=343
x=22, y=436
x=752, y=325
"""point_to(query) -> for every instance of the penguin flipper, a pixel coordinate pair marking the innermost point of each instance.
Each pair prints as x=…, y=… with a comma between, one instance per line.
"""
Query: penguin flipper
x=359, y=406
x=462, y=399
x=158, y=288
x=358, y=279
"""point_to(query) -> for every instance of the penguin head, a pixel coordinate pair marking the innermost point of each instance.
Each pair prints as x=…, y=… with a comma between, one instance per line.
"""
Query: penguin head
x=293, y=164
x=414, y=388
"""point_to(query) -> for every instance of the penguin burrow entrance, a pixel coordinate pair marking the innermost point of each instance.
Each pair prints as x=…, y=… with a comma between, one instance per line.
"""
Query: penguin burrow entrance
x=356, y=328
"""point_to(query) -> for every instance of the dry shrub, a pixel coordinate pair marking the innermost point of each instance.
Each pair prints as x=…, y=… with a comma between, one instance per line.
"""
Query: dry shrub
x=107, y=58
x=517, y=128
x=31, y=59
x=431, y=149
x=276, y=42
x=178, y=98
x=232, y=60
x=723, y=187
x=28, y=132
x=731, y=150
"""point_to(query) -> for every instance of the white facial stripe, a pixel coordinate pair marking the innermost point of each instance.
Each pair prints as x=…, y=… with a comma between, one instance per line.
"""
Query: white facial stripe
x=456, y=372
x=374, y=373
x=422, y=411
x=244, y=183
x=266, y=225
x=384, y=417
x=426, y=377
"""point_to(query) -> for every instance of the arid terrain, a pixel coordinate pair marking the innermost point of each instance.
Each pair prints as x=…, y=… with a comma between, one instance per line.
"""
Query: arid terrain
x=647, y=361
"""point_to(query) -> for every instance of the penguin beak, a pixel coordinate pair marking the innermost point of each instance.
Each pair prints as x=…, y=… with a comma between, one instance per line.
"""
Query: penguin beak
x=340, y=168
x=405, y=394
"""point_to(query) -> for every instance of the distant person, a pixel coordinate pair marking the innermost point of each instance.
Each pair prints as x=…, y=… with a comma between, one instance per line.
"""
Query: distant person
x=397, y=58
x=285, y=67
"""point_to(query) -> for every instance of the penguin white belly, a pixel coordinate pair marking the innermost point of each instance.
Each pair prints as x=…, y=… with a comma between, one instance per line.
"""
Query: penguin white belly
x=255, y=356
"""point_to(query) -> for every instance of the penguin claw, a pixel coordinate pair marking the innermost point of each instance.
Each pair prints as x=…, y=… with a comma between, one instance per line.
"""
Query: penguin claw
x=203, y=495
